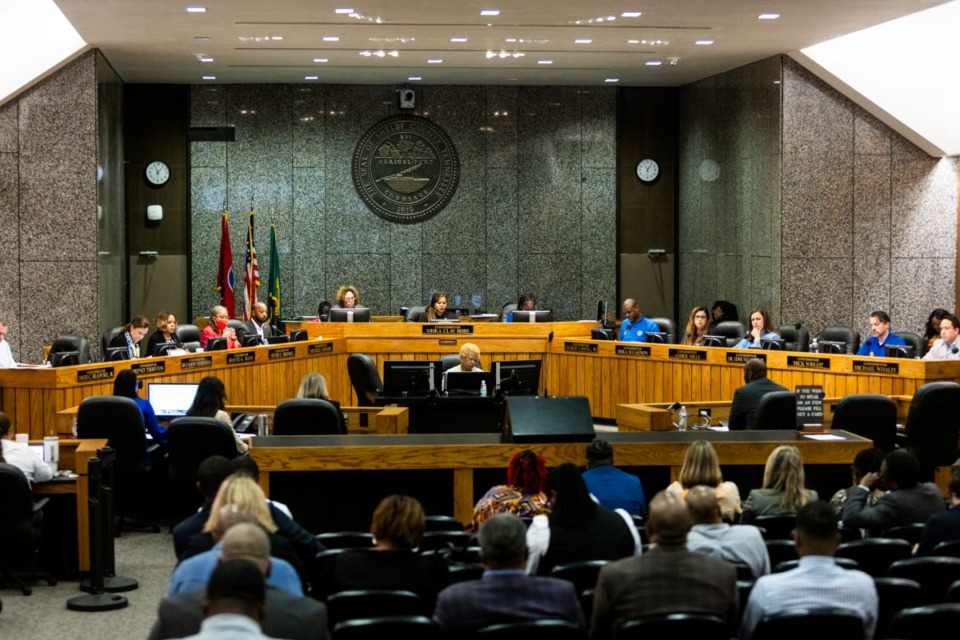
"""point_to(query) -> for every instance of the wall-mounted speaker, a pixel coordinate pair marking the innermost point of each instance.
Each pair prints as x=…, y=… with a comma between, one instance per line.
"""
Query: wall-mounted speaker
x=543, y=419
x=408, y=99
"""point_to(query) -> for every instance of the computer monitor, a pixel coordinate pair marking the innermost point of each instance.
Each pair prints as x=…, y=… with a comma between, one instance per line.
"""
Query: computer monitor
x=540, y=315
x=773, y=344
x=713, y=341
x=517, y=377
x=299, y=335
x=251, y=340
x=161, y=348
x=899, y=351
x=280, y=339
x=171, y=399
x=602, y=312
x=64, y=358
x=468, y=382
x=114, y=354
x=603, y=334
x=409, y=377
x=831, y=346
x=656, y=337
x=360, y=314
x=216, y=344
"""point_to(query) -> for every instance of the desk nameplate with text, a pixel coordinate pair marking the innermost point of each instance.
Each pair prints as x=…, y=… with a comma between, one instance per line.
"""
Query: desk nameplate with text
x=449, y=330
x=282, y=352
x=324, y=347
x=152, y=366
x=240, y=358
x=196, y=362
x=734, y=357
x=92, y=375
x=871, y=366
x=686, y=354
x=578, y=347
x=808, y=362
x=447, y=343
x=630, y=350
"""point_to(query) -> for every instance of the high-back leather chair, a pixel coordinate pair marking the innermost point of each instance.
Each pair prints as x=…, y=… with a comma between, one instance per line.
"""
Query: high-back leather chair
x=732, y=330
x=875, y=555
x=67, y=342
x=921, y=623
x=108, y=337
x=449, y=361
x=19, y=548
x=840, y=333
x=915, y=341
x=307, y=417
x=894, y=595
x=777, y=410
x=869, y=415
x=190, y=441
x=935, y=575
x=365, y=380
x=795, y=338
x=933, y=425
x=414, y=314
x=189, y=335
x=668, y=327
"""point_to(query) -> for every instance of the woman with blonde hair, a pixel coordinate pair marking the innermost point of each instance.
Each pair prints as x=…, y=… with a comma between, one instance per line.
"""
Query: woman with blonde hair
x=242, y=492
x=696, y=326
x=702, y=466
x=314, y=385
x=783, y=491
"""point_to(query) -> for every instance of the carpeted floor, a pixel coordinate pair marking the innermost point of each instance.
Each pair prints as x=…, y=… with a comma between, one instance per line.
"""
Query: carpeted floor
x=146, y=557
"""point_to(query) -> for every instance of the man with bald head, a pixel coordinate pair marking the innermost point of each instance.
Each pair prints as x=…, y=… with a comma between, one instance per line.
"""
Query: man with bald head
x=747, y=398
x=634, y=327
x=287, y=615
x=667, y=579
x=256, y=325
x=742, y=543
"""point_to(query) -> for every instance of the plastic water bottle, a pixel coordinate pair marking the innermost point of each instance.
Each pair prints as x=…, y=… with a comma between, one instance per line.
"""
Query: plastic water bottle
x=814, y=348
x=483, y=388
x=682, y=421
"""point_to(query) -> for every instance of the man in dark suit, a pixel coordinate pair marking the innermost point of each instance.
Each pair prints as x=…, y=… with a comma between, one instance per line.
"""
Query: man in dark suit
x=505, y=593
x=256, y=325
x=666, y=579
x=287, y=615
x=747, y=398
x=945, y=526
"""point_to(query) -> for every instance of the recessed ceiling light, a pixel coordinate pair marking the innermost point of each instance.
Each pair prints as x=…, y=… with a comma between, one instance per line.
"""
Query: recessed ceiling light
x=633, y=42
x=654, y=63
x=309, y=77
x=544, y=61
x=331, y=38
x=320, y=60
x=196, y=9
x=631, y=14
x=511, y=40
x=583, y=41
x=612, y=80
x=490, y=12
x=769, y=16
x=434, y=61
x=458, y=39
x=209, y=77
x=414, y=78
x=704, y=42
x=343, y=10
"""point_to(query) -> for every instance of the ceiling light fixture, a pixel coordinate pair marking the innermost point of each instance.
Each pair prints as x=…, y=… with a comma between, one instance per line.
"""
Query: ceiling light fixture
x=196, y=9
x=654, y=63
x=209, y=77
x=768, y=16
x=490, y=12
x=204, y=59
x=320, y=60
x=703, y=42
x=631, y=14
x=415, y=78
x=435, y=61
x=458, y=39
x=331, y=38
x=348, y=11
x=309, y=77
x=544, y=61
x=583, y=41
x=612, y=80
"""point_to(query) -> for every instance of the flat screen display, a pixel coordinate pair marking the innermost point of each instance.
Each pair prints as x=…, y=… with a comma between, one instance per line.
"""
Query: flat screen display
x=171, y=399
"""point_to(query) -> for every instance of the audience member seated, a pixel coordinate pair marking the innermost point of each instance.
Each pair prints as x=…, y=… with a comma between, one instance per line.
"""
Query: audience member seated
x=783, y=491
x=577, y=528
x=746, y=399
x=522, y=495
x=218, y=328
x=436, y=310
x=696, y=326
x=314, y=386
x=247, y=466
x=165, y=330
x=818, y=581
x=469, y=358
x=943, y=527
x=880, y=336
x=526, y=302
x=866, y=461
x=210, y=475
x=257, y=324
x=394, y=563
x=323, y=309
x=635, y=327
x=127, y=385
x=347, y=297
x=613, y=488
x=667, y=579
x=287, y=616
x=907, y=499
x=741, y=543
x=761, y=328
x=931, y=330
x=723, y=311
x=234, y=603
x=6, y=356
x=211, y=402
x=946, y=347
x=505, y=593
x=234, y=536
x=131, y=336
x=20, y=455
x=701, y=466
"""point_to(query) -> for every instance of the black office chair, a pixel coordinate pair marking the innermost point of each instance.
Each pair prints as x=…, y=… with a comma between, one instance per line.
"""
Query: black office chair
x=777, y=410
x=189, y=335
x=675, y=625
x=508, y=308
x=19, y=539
x=668, y=327
x=346, y=539
x=465, y=571
x=307, y=417
x=948, y=548
x=869, y=415
x=803, y=624
x=533, y=630
x=64, y=343
x=236, y=325
x=732, y=330
x=795, y=338
x=108, y=337
x=583, y=574
x=894, y=595
x=443, y=523
x=875, y=555
x=933, y=426
x=776, y=526
x=781, y=551
x=365, y=380
x=909, y=532
x=935, y=575
x=840, y=333
x=364, y=603
x=443, y=540
x=190, y=441
x=136, y=488
x=914, y=340
x=414, y=314
x=419, y=627
x=449, y=361
x=932, y=622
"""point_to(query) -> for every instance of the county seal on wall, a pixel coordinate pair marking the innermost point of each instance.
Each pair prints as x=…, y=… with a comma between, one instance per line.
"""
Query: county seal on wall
x=406, y=169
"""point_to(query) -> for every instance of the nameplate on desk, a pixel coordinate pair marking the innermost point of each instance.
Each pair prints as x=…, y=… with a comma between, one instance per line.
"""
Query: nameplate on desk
x=323, y=347
x=808, y=362
x=447, y=343
x=153, y=366
x=871, y=366
x=440, y=329
x=196, y=362
x=92, y=375
x=580, y=347
x=283, y=352
x=239, y=358
x=686, y=354
x=734, y=357
x=630, y=350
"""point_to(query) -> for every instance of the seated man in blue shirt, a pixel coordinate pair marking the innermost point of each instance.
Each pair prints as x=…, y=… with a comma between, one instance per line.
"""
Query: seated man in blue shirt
x=880, y=336
x=634, y=327
x=612, y=487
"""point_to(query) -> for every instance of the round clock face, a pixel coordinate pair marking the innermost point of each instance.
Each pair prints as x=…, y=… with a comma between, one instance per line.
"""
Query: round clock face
x=157, y=172
x=648, y=170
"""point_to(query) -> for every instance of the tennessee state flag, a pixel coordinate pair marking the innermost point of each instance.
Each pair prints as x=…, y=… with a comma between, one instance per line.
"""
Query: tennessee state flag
x=251, y=278
x=225, y=267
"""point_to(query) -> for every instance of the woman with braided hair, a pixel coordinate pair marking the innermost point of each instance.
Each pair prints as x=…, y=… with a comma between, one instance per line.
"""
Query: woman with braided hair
x=522, y=495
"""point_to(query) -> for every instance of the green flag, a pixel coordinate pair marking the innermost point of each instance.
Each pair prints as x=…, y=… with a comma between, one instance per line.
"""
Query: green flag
x=273, y=293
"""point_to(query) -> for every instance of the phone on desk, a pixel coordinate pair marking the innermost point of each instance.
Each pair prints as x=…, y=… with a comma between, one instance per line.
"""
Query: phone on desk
x=245, y=423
